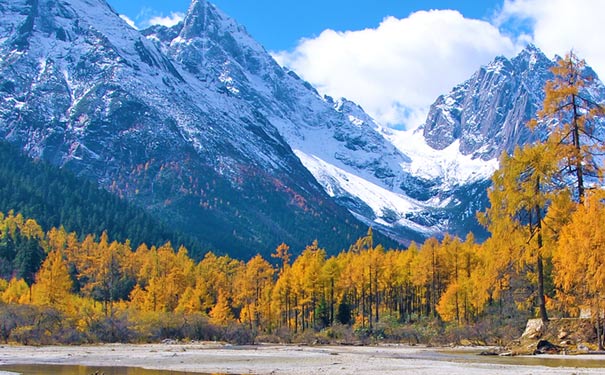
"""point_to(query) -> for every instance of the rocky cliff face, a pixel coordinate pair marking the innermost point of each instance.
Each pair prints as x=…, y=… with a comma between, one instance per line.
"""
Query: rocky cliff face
x=488, y=113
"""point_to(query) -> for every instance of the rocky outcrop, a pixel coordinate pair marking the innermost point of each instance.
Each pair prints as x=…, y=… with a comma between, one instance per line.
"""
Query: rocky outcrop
x=570, y=336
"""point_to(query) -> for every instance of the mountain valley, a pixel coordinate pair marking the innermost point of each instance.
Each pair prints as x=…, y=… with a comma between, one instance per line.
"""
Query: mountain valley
x=200, y=126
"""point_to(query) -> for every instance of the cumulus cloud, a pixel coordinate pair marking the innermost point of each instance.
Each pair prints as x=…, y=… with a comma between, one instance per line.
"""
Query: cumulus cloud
x=398, y=69
x=168, y=21
x=128, y=21
x=557, y=26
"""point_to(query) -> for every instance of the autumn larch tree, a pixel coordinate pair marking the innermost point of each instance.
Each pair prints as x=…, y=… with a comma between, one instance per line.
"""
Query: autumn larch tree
x=580, y=258
x=569, y=114
x=53, y=283
x=522, y=190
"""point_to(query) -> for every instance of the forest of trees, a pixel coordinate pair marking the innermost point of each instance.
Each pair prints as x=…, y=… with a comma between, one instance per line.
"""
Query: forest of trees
x=56, y=197
x=545, y=258
x=110, y=291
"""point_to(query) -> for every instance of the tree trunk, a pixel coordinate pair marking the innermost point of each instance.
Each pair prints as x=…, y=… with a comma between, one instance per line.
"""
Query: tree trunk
x=541, y=297
x=540, y=263
x=577, y=146
x=599, y=330
x=331, y=301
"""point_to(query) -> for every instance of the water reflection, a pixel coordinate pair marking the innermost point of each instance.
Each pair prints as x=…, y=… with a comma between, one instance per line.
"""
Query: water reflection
x=546, y=360
x=86, y=370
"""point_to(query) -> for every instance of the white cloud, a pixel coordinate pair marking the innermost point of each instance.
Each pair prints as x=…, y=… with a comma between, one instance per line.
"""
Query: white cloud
x=128, y=21
x=398, y=69
x=557, y=26
x=168, y=21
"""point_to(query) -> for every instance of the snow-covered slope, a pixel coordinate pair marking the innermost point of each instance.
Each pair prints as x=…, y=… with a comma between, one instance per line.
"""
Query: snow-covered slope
x=330, y=137
x=436, y=180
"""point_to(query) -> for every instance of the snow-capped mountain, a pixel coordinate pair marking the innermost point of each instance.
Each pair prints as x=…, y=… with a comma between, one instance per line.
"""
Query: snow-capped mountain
x=487, y=114
x=199, y=124
x=335, y=139
x=467, y=130
x=83, y=90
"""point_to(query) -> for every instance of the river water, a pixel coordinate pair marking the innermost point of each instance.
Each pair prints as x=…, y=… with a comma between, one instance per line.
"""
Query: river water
x=575, y=361
x=83, y=370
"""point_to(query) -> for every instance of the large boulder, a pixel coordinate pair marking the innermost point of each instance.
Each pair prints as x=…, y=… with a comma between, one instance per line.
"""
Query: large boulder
x=534, y=329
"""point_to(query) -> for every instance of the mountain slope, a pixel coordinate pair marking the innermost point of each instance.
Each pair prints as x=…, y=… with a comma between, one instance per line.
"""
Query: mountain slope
x=85, y=91
x=336, y=140
x=55, y=197
x=488, y=112
x=438, y=178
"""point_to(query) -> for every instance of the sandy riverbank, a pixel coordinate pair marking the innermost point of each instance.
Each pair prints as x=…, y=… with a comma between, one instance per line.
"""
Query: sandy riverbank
x=289, y=360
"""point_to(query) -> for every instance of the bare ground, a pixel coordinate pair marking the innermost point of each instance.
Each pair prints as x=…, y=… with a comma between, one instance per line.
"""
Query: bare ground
x=290, y=360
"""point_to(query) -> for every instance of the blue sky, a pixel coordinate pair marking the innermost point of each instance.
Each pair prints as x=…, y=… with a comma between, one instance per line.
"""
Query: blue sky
x=278, y=25
x=394, y=57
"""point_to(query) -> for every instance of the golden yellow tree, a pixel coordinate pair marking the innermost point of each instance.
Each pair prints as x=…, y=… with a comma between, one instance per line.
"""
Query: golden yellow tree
x=431, y=274
x=580, y=258
x=53, y=283
x=17, y=291
x=282, y=252
x=523, y=189
x=330, y=273
x=253, y=290
x=406, y=297
x=103, y=267
x=164, y=278
x=568, y=111
x=214, y=274
x=306, y=272
x=459, y=302
x=283, y=298
x=221, y=313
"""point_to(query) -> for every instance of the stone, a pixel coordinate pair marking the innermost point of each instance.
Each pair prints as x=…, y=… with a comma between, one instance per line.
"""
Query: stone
x=534, y=329
x=546, y=347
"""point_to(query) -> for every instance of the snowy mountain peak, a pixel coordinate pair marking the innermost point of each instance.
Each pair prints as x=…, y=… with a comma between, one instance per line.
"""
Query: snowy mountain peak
x=185, y=127
x=531, y=51
x=202, y=19
x=531, y=58
x=488, y=112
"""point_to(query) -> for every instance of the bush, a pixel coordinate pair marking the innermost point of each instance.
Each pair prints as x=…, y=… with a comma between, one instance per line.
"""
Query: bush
x=340, y=334
x=32, y=325
x=197, y=327
x=157, y=326
x=237, y=334
x=278, y=336
x=12, y=317
x=111, y=329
